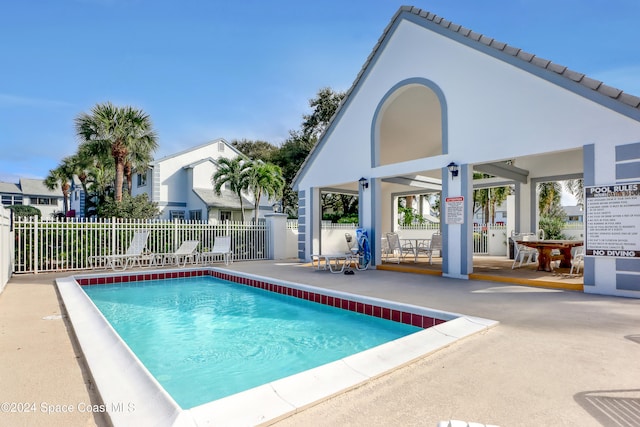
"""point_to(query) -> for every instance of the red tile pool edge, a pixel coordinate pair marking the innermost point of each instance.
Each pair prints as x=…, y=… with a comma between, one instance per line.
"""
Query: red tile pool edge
x=408, y=318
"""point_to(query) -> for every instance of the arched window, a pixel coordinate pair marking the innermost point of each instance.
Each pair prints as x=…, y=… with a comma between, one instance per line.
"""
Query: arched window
x=410, y=123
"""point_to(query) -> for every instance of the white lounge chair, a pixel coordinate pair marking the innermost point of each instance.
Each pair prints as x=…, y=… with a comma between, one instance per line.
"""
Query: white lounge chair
x=335, y=263
x=133, y=255
x=221, y=246
x=185, y=253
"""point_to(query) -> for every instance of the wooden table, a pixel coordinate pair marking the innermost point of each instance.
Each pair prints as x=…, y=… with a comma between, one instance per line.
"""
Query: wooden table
x=545, y=247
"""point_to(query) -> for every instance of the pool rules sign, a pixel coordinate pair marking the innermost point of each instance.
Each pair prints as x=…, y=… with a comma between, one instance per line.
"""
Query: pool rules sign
x=454, y=207
x=612, y=220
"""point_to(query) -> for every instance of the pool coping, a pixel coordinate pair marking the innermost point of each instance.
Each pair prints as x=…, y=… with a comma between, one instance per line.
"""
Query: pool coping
x=131, y=395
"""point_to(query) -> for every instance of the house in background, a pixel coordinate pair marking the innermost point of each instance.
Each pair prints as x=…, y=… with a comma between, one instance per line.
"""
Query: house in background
x=33, y=192
x=181, y=185
x=575, y=214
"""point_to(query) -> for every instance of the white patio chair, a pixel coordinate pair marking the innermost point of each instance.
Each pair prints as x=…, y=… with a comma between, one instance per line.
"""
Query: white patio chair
x=384, y=247
x=185, y=253
x=221, y=246
x=352, y=244
x=430, y=246
x=523, y=252
x=132, y=256
x=396, y=249
x=577, y=260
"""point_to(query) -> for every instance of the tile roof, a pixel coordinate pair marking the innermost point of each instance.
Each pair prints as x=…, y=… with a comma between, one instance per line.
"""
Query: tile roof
x=226, y=199
x=29, y=187
x=10, y=187
x=595, y=85
x=36, y=187
x=211, y=143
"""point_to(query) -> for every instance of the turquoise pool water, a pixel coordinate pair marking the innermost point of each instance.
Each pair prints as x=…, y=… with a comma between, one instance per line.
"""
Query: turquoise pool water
x=204, y=338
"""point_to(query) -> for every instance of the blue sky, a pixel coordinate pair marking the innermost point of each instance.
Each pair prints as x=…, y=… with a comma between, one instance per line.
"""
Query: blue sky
x=204, y=69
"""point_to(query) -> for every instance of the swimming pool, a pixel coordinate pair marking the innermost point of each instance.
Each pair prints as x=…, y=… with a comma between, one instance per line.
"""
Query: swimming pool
x=205, y=338
x=132, y=396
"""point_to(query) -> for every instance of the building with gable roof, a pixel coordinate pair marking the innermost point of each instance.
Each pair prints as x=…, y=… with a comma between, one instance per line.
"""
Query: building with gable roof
x=432, y=94
x=181, y=185
x=33, y=192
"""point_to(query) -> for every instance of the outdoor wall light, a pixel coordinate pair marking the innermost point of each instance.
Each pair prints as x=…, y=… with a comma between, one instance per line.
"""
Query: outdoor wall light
x=364, y=183
x=277, y=207
x=453, y=168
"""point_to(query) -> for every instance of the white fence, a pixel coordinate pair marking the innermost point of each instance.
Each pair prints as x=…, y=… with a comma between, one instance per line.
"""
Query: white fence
x=488, y=239
x=6, y=247
x=45, y=246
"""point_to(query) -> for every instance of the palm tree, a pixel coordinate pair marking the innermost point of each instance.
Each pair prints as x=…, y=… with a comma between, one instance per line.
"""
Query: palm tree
x=264, y=178
x=100, y=175
x=124, y=132
x=575, y=187
x=235, y=173
x=63, y=175
x=138, y=159
x=83, y=165
x=549, y=195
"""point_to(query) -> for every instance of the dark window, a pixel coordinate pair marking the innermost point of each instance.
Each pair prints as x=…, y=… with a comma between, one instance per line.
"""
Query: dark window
x=179, y=215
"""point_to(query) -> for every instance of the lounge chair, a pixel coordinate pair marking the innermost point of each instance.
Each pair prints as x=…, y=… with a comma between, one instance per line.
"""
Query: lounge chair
x=221, y=246
x=133, y=255
x=185, y=253
x=335, y=263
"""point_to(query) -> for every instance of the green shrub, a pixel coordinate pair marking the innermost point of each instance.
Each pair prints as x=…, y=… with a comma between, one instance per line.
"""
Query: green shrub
x=139, y=207
x=25, y=211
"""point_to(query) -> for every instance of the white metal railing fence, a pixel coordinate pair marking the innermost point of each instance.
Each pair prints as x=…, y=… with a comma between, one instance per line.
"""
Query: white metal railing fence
x=43, y=246
x=6, y=247
x=425, y=226
x=328, y=225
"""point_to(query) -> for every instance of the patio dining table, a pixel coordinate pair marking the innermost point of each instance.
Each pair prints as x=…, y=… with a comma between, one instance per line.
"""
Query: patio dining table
x=545, y=247
x=415, y=244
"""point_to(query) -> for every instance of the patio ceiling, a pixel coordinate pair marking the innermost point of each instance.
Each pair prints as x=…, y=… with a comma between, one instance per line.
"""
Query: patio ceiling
x=521, y=169
x=503, y=170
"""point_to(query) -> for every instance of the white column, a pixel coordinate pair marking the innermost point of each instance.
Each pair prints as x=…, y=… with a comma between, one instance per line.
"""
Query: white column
x=277, y=225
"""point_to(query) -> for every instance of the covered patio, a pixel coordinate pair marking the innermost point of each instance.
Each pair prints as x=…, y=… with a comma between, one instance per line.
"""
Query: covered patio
x=434, y=105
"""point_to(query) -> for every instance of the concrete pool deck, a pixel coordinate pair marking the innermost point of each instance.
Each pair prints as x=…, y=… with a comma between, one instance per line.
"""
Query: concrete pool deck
x=557, y=357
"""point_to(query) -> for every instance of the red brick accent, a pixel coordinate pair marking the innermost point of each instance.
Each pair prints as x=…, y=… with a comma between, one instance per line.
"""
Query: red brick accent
x=368, y=309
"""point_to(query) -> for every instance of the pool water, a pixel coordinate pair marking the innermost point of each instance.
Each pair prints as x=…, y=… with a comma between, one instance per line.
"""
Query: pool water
x=205, y=338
